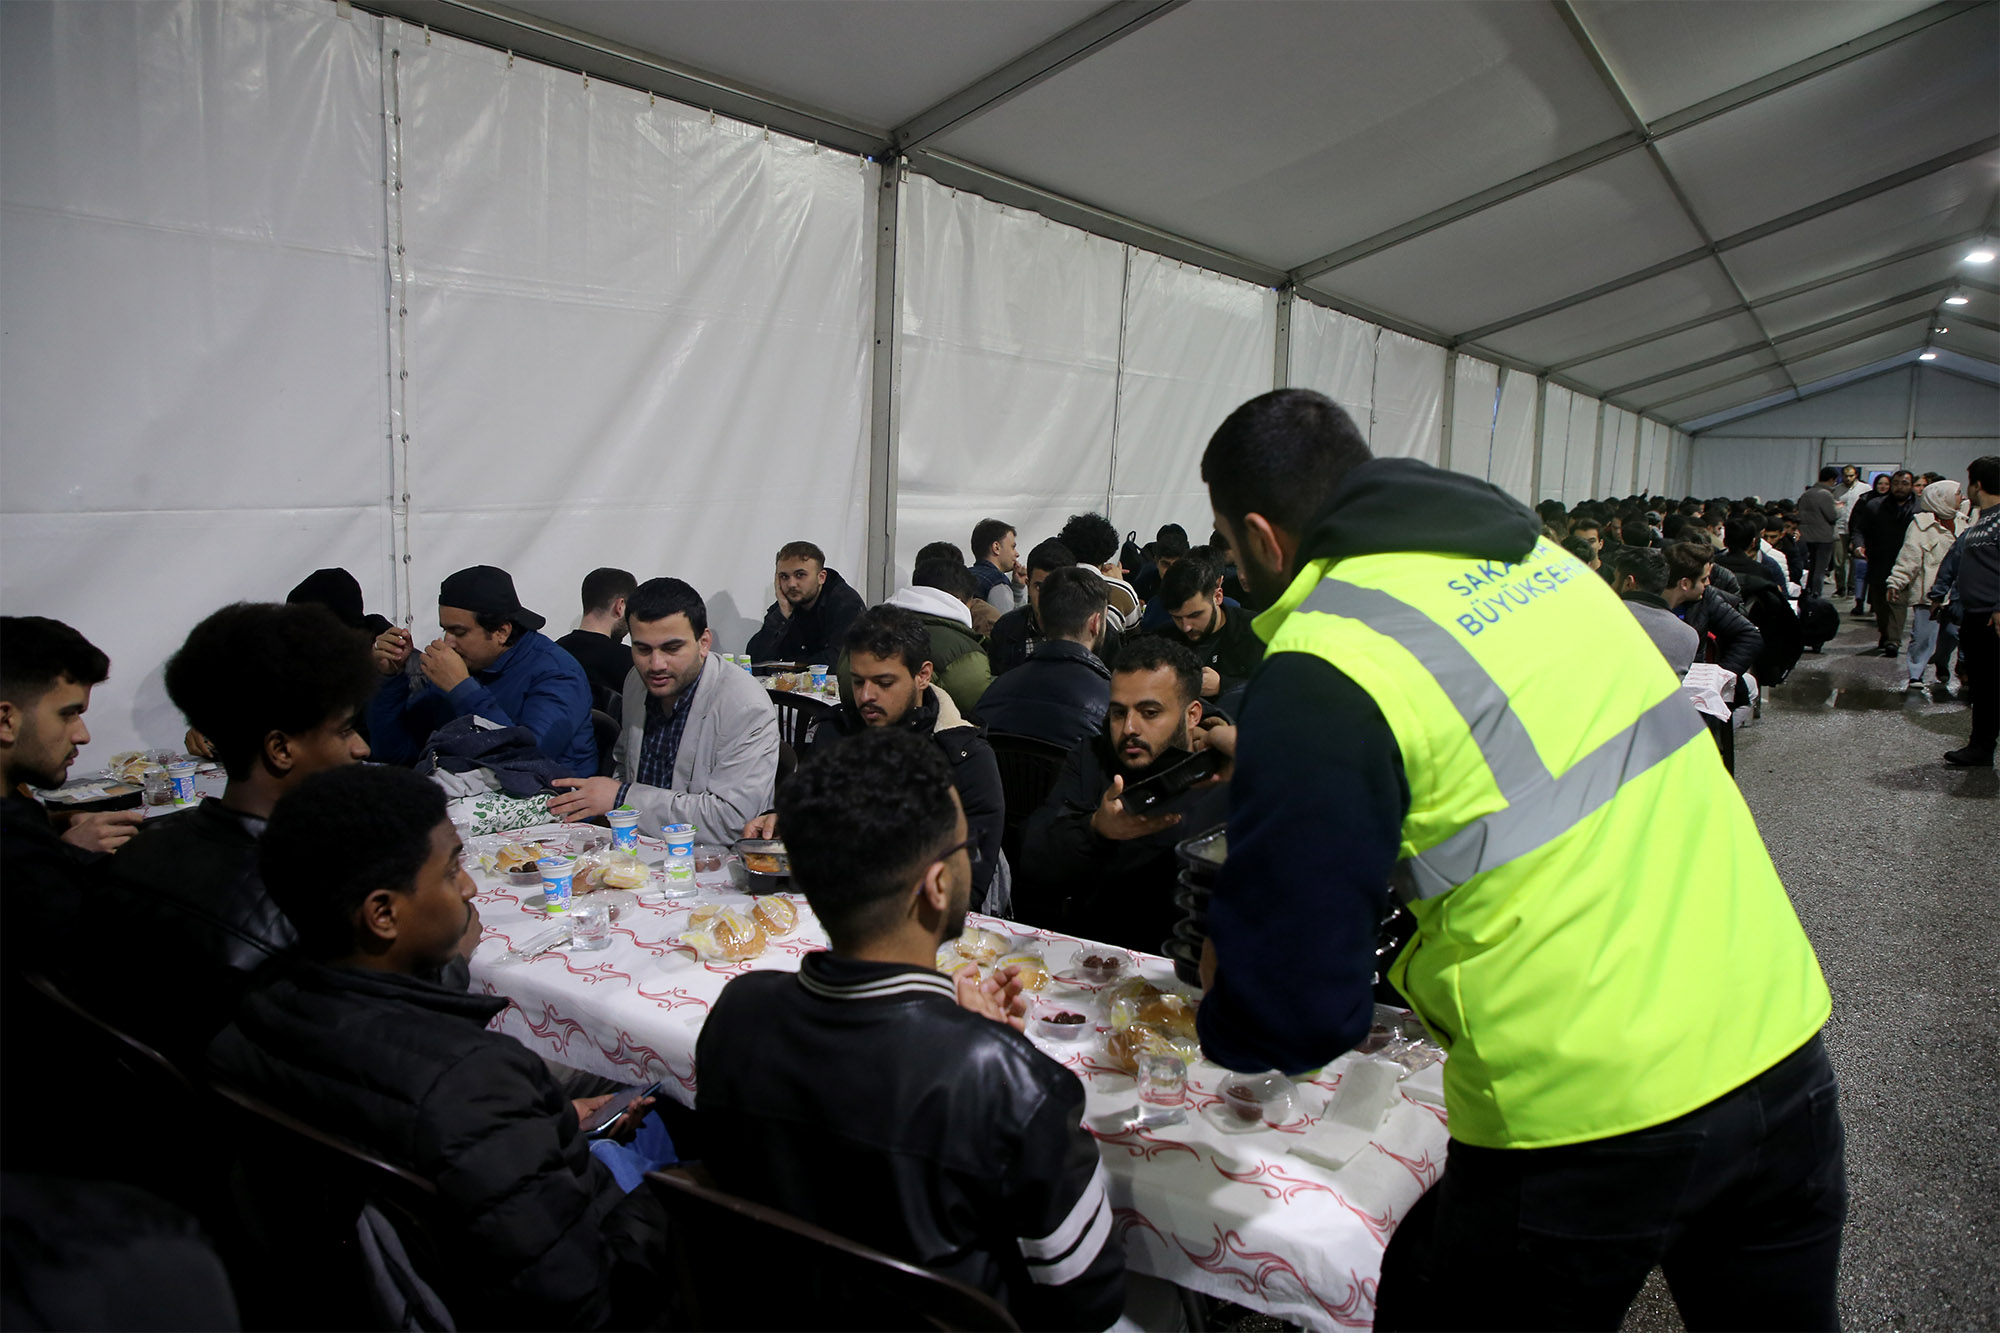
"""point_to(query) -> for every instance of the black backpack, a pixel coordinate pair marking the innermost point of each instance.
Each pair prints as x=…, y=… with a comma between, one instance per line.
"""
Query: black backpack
x=1819, y=621
x=1767, y=607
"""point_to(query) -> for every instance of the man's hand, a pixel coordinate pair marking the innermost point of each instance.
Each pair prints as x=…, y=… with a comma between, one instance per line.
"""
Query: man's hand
x=1112, y=820
x=763, y=826
x=442, y=667
x=1209, y=963
x=198, y=745
x=103, y=830
x=998, y=997
x=784, y=606
x=586, y=799
x=1219, y=736
x=392, y=649
x=1211, y=682
x=468, y=942
x=624, y=1127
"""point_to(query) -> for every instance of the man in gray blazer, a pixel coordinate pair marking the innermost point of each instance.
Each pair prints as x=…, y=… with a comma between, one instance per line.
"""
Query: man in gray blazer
x=700, y=741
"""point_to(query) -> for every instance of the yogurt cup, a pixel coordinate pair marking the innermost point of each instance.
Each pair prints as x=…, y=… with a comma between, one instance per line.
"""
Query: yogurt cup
x=819, y=671
x=624, y=823
x=182, y=776
x=558, y=873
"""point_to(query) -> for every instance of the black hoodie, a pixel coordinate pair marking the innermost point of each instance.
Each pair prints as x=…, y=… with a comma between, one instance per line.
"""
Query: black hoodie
x=1318, y=797
x=813, y=635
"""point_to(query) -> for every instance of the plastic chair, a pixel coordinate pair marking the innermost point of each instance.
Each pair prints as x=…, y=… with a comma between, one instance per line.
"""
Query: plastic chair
x=1029, y=768
x=725, y=1250
x=796, y=714
x=605, y=728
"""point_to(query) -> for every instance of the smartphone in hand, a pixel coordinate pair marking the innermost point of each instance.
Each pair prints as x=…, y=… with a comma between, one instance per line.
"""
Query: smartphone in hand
x=608, y=1114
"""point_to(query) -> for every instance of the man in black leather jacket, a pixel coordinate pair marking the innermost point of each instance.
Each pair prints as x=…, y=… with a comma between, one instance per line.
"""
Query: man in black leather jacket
x=359, y=1038
x=1728, y=639
x=869, y=1095
x=276, y=690
x=1060, y=693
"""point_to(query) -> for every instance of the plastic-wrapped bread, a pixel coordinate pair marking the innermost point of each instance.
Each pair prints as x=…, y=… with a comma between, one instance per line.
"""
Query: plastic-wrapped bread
x=776, y=915
x=981, y=946
x=727, y=933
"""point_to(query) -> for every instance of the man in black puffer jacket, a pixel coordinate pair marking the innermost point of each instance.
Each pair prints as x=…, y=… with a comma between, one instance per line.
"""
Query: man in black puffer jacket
x=362, y=1042
x=1060, y=693
x=1728, y=639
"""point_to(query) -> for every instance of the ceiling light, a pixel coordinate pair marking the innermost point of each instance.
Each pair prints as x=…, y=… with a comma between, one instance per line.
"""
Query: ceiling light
x=1980, y=257
x=1928, y=356
x=1958, y=300
x=1940, y=329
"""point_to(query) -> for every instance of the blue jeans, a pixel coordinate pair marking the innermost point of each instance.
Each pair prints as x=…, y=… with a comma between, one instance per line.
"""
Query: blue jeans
x=1921, y=641
x=649, y=1150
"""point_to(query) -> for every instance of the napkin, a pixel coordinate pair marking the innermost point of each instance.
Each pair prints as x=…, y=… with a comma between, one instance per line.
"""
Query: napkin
x=1367, y=1090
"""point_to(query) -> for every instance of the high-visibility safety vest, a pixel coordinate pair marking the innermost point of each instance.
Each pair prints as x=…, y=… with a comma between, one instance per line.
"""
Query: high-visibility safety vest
x=1603, y=943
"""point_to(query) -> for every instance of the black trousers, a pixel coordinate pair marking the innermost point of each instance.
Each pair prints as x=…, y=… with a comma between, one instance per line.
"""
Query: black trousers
x=1741, y=1201
x=1980, y=649
x=1818, y=556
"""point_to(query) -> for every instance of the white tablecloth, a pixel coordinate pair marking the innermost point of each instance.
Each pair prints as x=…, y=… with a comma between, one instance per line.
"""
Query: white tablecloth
x=1232, y=1214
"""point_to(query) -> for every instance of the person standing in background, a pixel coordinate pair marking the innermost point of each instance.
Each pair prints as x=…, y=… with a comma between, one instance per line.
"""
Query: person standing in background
x=1977, y=594
x=598, y=642
x=1819, y=522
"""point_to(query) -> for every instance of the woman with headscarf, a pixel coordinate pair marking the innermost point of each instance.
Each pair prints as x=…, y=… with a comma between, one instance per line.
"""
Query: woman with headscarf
x=1925, y=545
x=1858, y=574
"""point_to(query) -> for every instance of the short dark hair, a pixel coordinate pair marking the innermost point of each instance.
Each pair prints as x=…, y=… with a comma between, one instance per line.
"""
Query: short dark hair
x=946, y=574
x=602, y=587
x=1742, y=533
x=1171, y=531
x=1069, y=598
x=343, y=834
x=253, y=668
x=938, y=551
x=1191, y=577
x=986, y=533
x=1049, y=554
x=656, y=599
x=1580, y=548
x=890, y=631
x=36, y=652
x=492, y=621
x=1583, y=521
x=1647, y=567
x=1686, y=560
x=1091, y=537
x=801, y=551
x=1984, y=471
x=1829, y=473
x=862, y=821
x=1676, y=525
x=1171, y=545
x=1150, y=652
x=1282, y=455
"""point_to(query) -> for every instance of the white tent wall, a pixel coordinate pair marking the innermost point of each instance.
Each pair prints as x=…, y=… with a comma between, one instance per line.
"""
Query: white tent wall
x=660, y=320
x=1335, y=354
x=1621, y=438
x=1009, y=368
x=1197, y=346
x=1512, y=468
x=1770, y=469
x=1409, y=398
x=193, y=396
x=1474, y=399
x=1553, y=447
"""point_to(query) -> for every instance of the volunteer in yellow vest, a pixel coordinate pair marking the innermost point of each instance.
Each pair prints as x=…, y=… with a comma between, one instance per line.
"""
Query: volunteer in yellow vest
x=1454, y=707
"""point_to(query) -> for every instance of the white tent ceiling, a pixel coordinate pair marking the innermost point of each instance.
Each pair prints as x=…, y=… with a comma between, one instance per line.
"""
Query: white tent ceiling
x=1683, y=209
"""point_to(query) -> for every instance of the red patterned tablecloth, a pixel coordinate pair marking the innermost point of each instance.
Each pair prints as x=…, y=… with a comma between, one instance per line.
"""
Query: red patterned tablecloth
x=1231, y=1213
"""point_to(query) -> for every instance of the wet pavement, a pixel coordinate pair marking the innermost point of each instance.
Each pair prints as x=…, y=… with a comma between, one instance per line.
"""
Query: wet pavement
x=1880, y=845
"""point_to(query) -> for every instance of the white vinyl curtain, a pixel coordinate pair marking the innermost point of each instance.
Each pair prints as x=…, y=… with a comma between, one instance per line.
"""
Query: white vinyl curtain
x=1409, y=398
x=1197, y=346
x=1767, y=468
x=1009, y=360
x=1554, y=444
x=1580, y=456
x=639, y=336
x=1513, y=464
x=1474, y=405
x=1335, y=354
x=193, y=395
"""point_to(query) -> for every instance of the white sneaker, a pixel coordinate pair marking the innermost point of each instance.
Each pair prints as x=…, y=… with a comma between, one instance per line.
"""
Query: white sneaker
x=1913, y=687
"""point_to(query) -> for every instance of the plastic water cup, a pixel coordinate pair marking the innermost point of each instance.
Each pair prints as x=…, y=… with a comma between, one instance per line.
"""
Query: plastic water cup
x=1162, y=1089
x=558, y=872
x=679, y=866
x=624, y=823
x=182, y=776
x=819, y=677
x=590, y=925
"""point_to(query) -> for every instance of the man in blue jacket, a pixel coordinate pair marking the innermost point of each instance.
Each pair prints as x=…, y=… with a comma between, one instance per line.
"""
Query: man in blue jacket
x=491, y=662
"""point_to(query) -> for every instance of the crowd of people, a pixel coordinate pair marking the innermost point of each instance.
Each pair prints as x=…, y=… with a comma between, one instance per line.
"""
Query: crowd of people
x=1345, y=665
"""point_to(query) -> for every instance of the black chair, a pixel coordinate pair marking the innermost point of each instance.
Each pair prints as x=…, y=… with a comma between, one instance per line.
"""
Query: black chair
x=788, y=761
x=796, y=714
x=605, y=728
x=726, y=1249
x=297, y=1257
x=1029, y=768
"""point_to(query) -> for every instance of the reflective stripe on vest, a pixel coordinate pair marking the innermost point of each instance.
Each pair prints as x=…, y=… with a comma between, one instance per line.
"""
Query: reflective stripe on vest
x=1541, y=806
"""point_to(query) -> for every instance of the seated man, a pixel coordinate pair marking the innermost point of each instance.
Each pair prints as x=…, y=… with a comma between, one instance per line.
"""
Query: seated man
x=1726, y=637
x=276, y=690
x=598, y=642
x=700, y=739
x=940, y=595
x=891, y=681
x=1638, y=574
x=339, y=592
x=1088, y=865
x=1218, y=633
x=861, y=1093
x=995, y=559
x=358, y=1038
x=1059, y=695
x=1016, y=635
x=814, y=608
x=493, y=663
x=1095, y=543
x=1170, y=545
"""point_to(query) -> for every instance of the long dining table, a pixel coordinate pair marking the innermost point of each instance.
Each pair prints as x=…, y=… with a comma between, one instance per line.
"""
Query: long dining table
x=1205, y=1204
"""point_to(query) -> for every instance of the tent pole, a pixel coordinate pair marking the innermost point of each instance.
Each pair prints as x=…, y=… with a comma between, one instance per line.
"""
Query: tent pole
x=1281, y=352
x=401, y=590
x=1446, y=409
x=1597, y=455
x=886, y=388
x=1541, y=421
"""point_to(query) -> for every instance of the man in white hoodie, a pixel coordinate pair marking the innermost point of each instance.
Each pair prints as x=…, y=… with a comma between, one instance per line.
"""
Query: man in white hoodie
x=939, y=595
